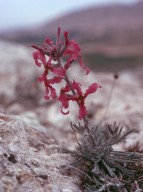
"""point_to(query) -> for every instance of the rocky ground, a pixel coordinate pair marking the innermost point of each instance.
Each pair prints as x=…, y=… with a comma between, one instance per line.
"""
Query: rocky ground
x=32, y=130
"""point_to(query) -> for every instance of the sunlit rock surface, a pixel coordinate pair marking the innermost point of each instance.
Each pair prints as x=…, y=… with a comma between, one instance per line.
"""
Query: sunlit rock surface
x=30, y=158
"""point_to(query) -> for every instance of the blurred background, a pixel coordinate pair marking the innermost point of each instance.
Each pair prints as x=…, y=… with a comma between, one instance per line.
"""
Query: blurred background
x=110, y=32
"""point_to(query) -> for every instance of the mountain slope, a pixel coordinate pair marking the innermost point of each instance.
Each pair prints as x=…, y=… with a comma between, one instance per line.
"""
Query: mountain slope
x=115, y=31
x=95, y=21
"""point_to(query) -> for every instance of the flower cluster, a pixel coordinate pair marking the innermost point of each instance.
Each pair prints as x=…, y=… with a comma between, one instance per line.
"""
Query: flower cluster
x=49, y=56
x=79, y=97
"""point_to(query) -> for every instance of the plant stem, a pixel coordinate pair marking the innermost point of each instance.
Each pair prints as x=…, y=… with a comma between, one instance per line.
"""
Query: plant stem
x=73, y=92
x=88, y=130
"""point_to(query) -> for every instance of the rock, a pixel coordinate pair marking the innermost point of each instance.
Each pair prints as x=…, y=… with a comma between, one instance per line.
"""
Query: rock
x=18, y=75
x=29, y=160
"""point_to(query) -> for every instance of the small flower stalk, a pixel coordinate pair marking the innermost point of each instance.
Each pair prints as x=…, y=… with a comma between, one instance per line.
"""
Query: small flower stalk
x=101, y=168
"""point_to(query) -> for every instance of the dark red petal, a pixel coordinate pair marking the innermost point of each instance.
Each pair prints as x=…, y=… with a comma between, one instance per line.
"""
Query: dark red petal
x=76, y=86
x=65, y=89
x=68, y=63
x=92, y=89
x=64, y=100
x=59, y=71
x=66, y=38
x=36, y=58
x=47, y=93
x=53, y=92
x=83, y=66
x=58, y=35
x=42, y=57
x=54, y=80
x=49, y=87
x=47, y=41
x=64, y=113
x=73, y=45
x=71, y=53
x=43, y=76
x=48, y=64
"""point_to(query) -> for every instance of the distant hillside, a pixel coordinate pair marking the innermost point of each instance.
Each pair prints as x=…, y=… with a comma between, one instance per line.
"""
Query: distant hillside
x=111, y=34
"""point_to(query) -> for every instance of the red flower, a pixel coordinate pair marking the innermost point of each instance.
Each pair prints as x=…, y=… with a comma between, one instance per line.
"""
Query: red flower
x=49, y=88
x=73, y=52
x=63, y=98
x=61, y=48
x=39, y=58
x=79, y=97
x=53, y=51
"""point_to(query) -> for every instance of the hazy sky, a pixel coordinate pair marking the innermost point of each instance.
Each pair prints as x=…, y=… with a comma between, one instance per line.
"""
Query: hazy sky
x=18, y=13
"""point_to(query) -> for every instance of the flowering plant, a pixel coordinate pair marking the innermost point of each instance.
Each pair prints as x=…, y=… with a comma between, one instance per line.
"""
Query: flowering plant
x=104, y=169
x=72, y=90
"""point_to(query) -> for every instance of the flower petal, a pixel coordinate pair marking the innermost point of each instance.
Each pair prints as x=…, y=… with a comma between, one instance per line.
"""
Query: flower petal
x=54, y=80
x=66, y=38
x=64, y=113
x=83, y=66
x=43, y=76
x=63, y=98
x=59, y=71
x=53, y=92
x=35, y=57
x=47, y=42
x=39, y=56
x=76, y=86
x=92, y=89
x=58, y=36
x=47, y=94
